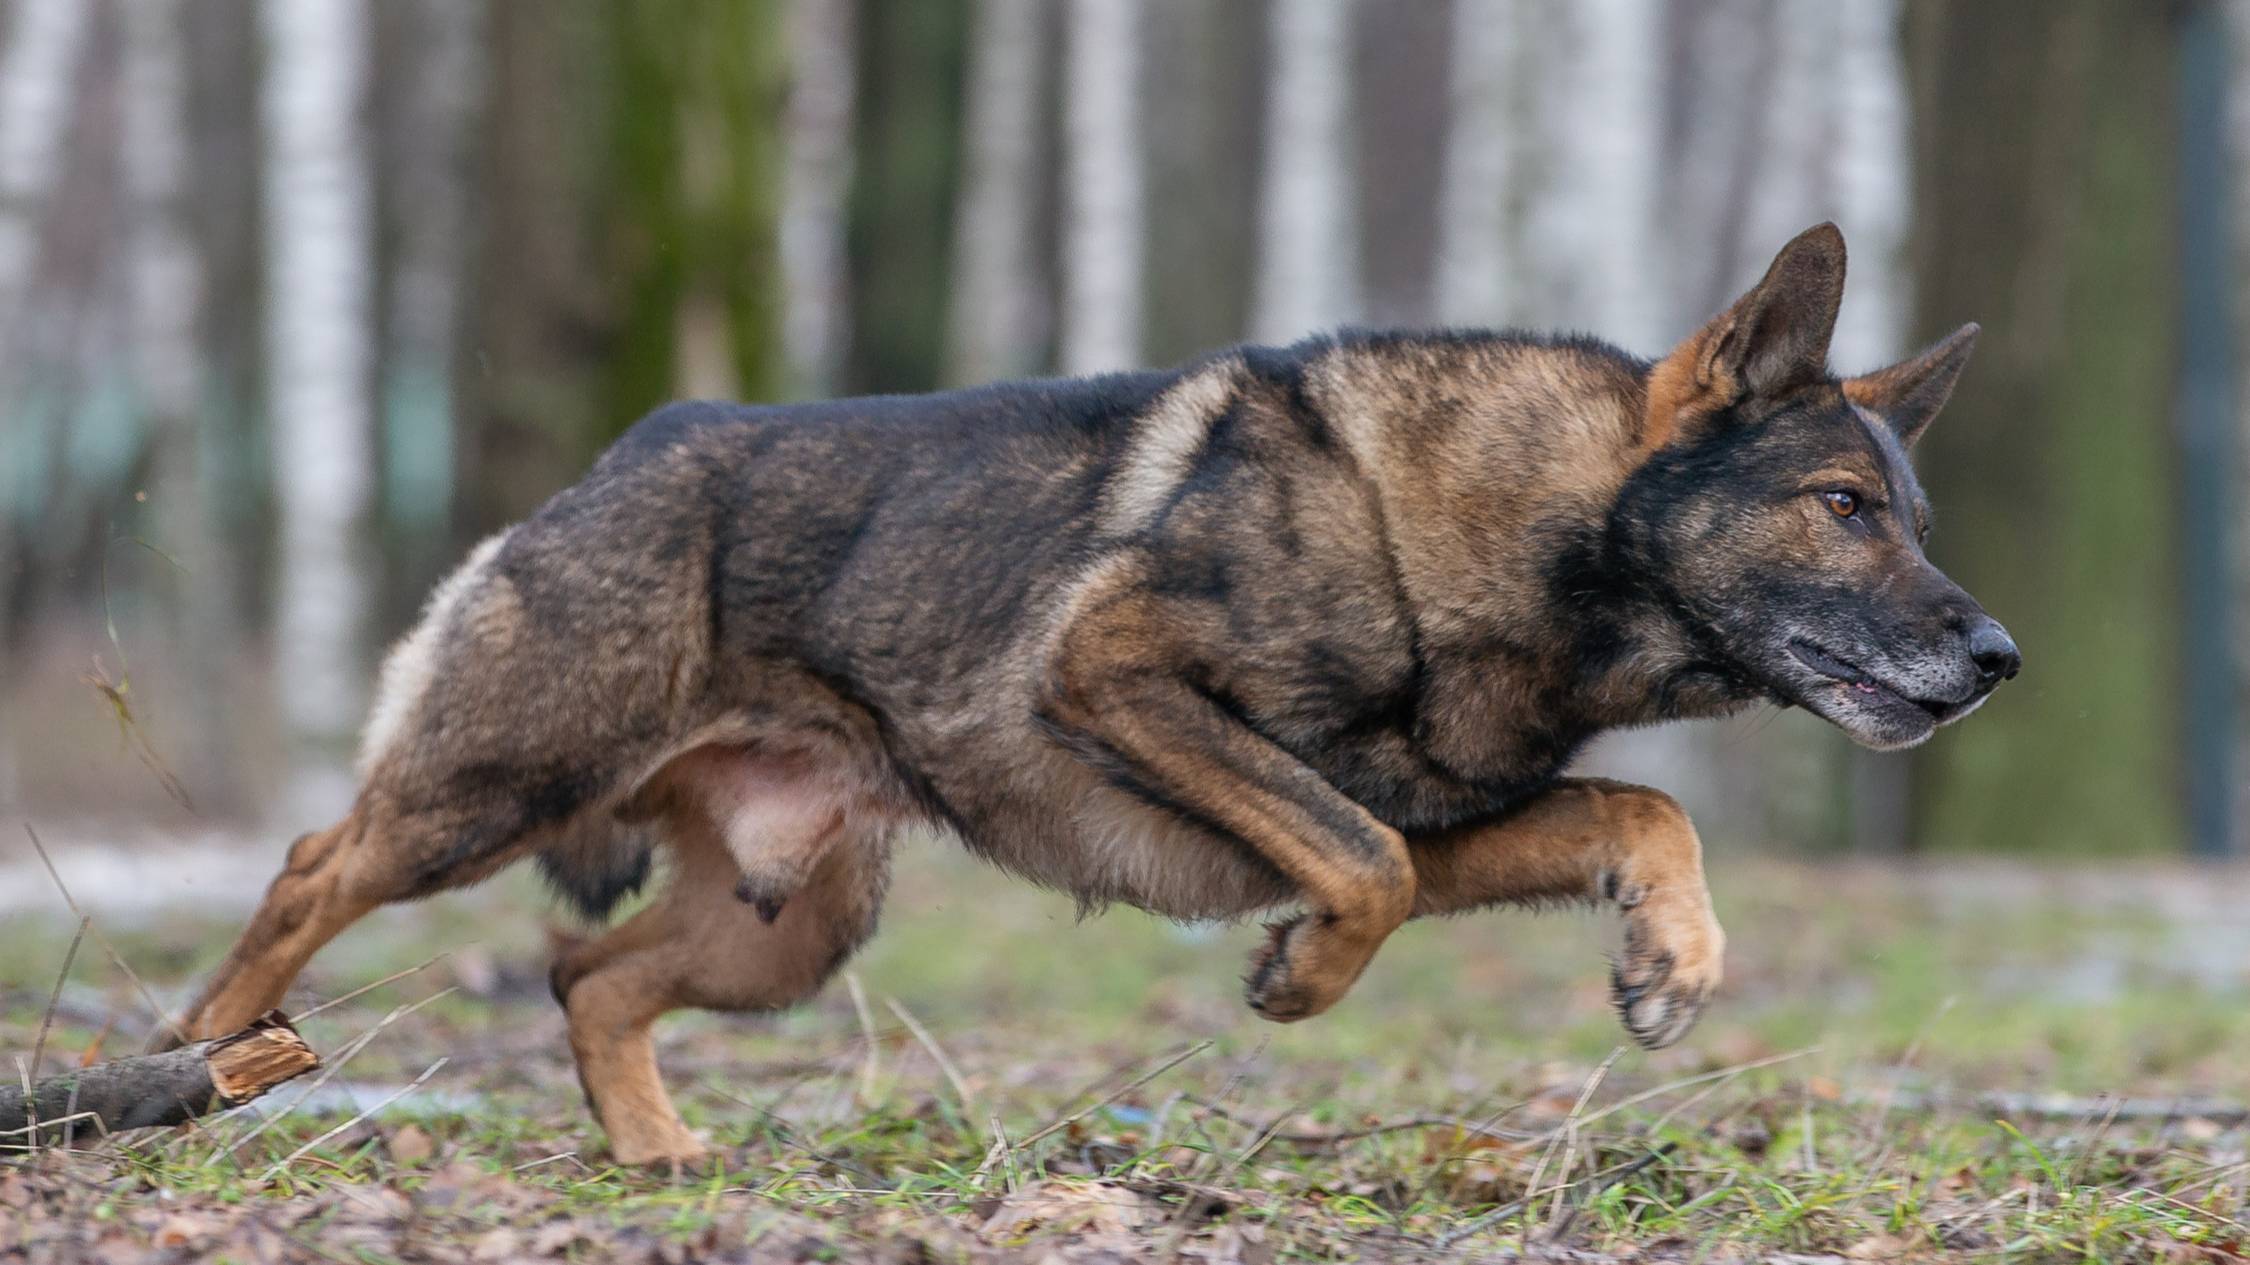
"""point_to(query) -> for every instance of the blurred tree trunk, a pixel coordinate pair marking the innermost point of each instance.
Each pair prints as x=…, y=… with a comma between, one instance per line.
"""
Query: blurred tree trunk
x=227, y=591
x=815, y=191
x=38, y=69
x=1203, y=77
x=320, y=343
x=167, y=292
x=1474, y=278
x=902, y=199
x=1399, y=148
x=698, y=151
x=1000, y=307
x=1308, y=241
x=428, y=85
x=2044, y=210
x=1104, y=212
x=2237, y=19
x=543, y=311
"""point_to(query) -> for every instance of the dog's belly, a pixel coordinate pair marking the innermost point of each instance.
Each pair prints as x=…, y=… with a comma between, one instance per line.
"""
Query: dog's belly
x=1059, y=824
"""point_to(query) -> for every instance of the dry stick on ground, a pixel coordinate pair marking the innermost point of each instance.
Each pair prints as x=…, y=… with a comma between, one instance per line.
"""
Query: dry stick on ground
x=54, y=999
x=1178, y=1057
x=302, y=1151
x=966, y=1100
x=350, y=1051
x=164, y=1089
x=1532, y=1189
x=870, y=1059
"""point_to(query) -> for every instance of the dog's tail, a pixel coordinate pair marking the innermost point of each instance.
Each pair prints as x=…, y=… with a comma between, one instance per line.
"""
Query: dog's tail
x=598, y=862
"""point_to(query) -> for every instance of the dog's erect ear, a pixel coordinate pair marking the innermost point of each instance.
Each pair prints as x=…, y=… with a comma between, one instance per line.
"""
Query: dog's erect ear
x=1772, y=340
x=1910, y=393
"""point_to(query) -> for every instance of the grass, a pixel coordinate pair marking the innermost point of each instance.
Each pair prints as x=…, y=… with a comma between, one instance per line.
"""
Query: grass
x=1961, y=1063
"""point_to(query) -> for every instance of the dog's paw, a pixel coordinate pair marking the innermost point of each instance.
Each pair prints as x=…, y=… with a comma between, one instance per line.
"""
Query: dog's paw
x=1272, y=987
x=660, y=1146
x=1665, y=976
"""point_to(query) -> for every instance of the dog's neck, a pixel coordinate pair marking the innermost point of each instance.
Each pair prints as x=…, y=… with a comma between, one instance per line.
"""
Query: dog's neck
x=1480, y=447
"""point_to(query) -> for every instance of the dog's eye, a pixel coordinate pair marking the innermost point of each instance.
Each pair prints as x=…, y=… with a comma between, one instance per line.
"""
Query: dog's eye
x=1841, y=503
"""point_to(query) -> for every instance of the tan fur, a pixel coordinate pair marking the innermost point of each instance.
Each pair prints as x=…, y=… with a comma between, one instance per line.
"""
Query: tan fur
x=1593, y=839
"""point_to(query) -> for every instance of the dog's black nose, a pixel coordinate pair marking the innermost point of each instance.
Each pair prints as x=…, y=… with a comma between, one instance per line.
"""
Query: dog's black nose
x=1993, y=650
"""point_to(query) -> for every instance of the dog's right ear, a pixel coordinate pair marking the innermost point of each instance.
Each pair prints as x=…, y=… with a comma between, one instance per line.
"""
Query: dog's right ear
x=1772, y=340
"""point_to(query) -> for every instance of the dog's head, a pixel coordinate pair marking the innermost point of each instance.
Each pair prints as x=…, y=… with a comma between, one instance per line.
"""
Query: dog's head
x=1778, y=518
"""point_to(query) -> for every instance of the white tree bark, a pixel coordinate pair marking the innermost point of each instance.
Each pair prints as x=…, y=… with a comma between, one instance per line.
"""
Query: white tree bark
x=1104, y=218
x=1472, y=285
x=1871, y=189
x=999, y=309
x=817, y=129
x=1590, y=229
x=319, y=333
x=1308, y=240
x=38, y=71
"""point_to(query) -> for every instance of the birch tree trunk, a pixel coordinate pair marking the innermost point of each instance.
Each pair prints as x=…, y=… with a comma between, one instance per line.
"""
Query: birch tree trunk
x=998, y=306
x=319, y=335
x=817, y=130
x=1308, y=243
x=1471, y=283
x=1104, y=218
x=39, y=68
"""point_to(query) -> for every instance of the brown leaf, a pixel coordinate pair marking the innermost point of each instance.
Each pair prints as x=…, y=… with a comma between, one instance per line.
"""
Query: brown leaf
x=410, y=1145
x=1880, y=1247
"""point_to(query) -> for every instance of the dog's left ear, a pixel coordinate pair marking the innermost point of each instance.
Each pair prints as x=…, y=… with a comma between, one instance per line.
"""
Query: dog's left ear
x=1909, y=394
x=1769, y=342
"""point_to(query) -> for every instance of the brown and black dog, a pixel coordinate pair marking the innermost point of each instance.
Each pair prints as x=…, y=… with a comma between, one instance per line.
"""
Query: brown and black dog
x=1315, y=628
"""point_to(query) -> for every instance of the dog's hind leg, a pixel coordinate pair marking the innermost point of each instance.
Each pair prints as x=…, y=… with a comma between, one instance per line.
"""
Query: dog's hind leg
x=1590, y=839
x=699, y=946
x=337, y=876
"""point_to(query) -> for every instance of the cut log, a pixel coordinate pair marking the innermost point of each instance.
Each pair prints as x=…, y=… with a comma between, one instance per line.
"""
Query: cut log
x=155, y=1089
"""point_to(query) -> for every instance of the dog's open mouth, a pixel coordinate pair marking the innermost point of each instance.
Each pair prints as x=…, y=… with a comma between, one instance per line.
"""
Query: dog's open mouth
x=1858, y=679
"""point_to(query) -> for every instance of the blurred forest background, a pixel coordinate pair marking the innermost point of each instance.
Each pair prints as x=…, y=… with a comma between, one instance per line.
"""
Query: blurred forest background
x=300, y=297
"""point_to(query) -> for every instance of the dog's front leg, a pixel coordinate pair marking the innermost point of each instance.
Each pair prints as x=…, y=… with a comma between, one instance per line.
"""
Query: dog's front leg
x=1117, y=702
x=1589, y=839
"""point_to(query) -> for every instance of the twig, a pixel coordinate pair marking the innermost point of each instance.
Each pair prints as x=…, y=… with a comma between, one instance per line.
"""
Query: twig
x=544, y=1159
x=791, y=1137
x=163, y=1017
x=1539, y=1171
x=1724, y=1073
x=870, y=1060
x=1613, y=1175
x=54, y=999
x=945, y=1065
x=307, y=1148
x=1310, y=1141
x=363, y=989
x=335, y=1065
x=1568, y=1137
x=1182, y=1056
